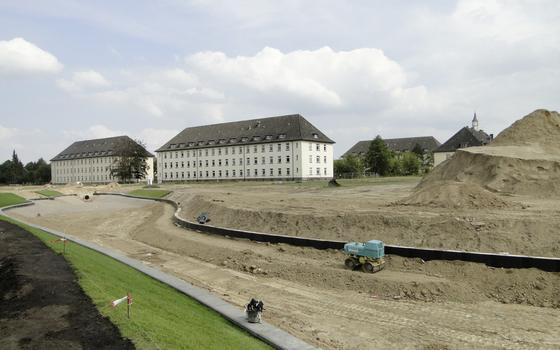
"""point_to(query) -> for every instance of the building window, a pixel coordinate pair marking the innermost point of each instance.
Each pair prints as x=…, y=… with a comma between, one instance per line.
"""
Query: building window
x=325, y=171
x=310, y=158
x=219, y=151
x=240, y=172
x=279, y=171
x=287, y=146
x=271, y=159
x=177, y=174
x=324, y=159
x=182, y=164
x=207, y=173
x=318, y=159
x=182, y=174
x=279, y=147
x=248, y=172
x=165, y=174
x=176, y=154
x=256, y=172
x=219, y=162
x=317, y=147
x=227, y=173
x=271, y=172
x=262, y=148
x=248, y=150
x=310, y=147
x=263, y=172
x=325, y=147
x=188, y=163
x=279, y=159
x=206, y=162
x=233, y=150
x=240, y=149
x=188, y=174
x=171, y=175
x=241, y=161
x=255, y=160
x=219, y=173
x=165, y=165
x=171, y=165
x=206, y=152
x=213, y=173
x=232, y=172
x=232, y=161
x=227, y=150
x=310, y=171
x=287, y=159
x=255, y=149
x=200, y=164
x=227, y=161
x=165, y=155
x=318, y=172
x=182, y=154
x=270, y=147
x=213, y=162
x=288, y=171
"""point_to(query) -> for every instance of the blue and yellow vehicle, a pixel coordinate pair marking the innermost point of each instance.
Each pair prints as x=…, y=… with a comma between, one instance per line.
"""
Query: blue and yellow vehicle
x=368, y=256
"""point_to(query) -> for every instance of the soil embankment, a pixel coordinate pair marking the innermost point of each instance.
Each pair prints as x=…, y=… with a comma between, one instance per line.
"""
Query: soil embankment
x=41, y=304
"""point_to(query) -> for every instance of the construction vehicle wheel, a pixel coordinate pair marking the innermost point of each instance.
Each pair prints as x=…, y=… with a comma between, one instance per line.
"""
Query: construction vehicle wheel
x=350, y=263
x=368, y=267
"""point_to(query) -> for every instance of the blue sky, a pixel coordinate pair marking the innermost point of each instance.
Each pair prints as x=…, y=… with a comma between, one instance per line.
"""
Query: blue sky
x=73, y=70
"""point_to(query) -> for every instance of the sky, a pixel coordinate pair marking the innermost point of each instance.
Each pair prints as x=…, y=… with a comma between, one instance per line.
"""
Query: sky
x=73, y=70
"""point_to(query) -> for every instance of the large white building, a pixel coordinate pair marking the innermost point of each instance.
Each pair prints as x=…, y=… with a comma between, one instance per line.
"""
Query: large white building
x=284, y=147
x=90, y=161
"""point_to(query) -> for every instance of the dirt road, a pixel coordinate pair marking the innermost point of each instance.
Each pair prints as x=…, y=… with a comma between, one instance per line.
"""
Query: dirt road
x=410, y=304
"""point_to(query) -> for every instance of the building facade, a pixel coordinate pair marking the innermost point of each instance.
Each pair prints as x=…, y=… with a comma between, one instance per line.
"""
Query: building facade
x=466, y=137
x=277, y=148
x=91, y=161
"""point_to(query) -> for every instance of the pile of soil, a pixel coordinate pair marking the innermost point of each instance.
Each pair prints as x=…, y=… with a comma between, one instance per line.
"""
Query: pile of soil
x=455, y=195
x=524, y=159
x=41, y=304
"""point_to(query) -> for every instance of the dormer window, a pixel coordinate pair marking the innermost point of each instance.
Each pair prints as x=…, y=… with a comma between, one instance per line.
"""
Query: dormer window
x=315, y=136
x=244, y=139
x=282, y=136
x=268, y=137
x=256, y=138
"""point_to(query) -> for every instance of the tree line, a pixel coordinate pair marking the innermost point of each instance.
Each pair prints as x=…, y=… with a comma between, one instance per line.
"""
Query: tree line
x=13, y=171
x=382, y=161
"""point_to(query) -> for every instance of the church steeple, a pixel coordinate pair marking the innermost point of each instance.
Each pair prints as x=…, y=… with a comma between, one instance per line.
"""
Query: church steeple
x=475, y=122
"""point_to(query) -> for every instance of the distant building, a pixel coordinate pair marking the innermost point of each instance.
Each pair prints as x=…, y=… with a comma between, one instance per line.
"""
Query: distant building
x=466, y=137
x=399, y=145
x=90, y=161
x=284, y=147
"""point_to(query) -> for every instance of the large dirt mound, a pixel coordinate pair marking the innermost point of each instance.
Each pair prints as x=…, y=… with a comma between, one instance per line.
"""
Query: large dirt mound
x=524, y=159
x=455, y=195
x=541, y=128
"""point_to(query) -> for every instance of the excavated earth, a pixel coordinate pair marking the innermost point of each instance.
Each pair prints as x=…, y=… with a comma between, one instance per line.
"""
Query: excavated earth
x=41, y=304
x=309, y=293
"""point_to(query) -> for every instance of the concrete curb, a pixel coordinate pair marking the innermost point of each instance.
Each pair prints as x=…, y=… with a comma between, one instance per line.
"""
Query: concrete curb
x=271, y=335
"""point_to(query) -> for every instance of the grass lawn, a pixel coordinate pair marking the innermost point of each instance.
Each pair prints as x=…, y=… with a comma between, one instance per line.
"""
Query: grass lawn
x=162, y=318
x=10, y=199
x=149, y=193
x=49, y=193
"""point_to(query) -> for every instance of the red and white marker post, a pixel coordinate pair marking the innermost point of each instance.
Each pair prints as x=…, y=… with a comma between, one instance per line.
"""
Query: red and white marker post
x=128, y=299
x=63, y=240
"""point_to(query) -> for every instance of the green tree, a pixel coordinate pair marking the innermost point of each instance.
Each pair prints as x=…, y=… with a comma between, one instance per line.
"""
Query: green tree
x=350, y=164
x=417, y=149
x=410, y=163
x=130, y=161
x=378, y=157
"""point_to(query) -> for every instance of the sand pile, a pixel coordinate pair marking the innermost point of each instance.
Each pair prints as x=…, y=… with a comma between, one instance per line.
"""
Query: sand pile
x=524, y=159
x=452, y=194
x=113, y=186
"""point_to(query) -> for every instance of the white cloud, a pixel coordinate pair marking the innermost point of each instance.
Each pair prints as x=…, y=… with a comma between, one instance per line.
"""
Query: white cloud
x=83, y=80
x=323, y=77
x=18, y=56
x=97, y=131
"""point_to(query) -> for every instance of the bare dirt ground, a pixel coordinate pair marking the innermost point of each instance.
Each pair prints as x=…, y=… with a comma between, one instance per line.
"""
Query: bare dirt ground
x=524, y=225
x=41, y=304
x=409, y=305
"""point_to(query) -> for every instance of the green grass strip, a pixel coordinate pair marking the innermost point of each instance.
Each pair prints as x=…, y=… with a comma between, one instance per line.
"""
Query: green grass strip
x=49, y=193
x=162, y=317
x=149, y=193
x=10, y=199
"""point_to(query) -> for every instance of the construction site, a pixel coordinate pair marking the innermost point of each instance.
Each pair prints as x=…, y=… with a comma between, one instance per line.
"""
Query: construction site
x=499, y=198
